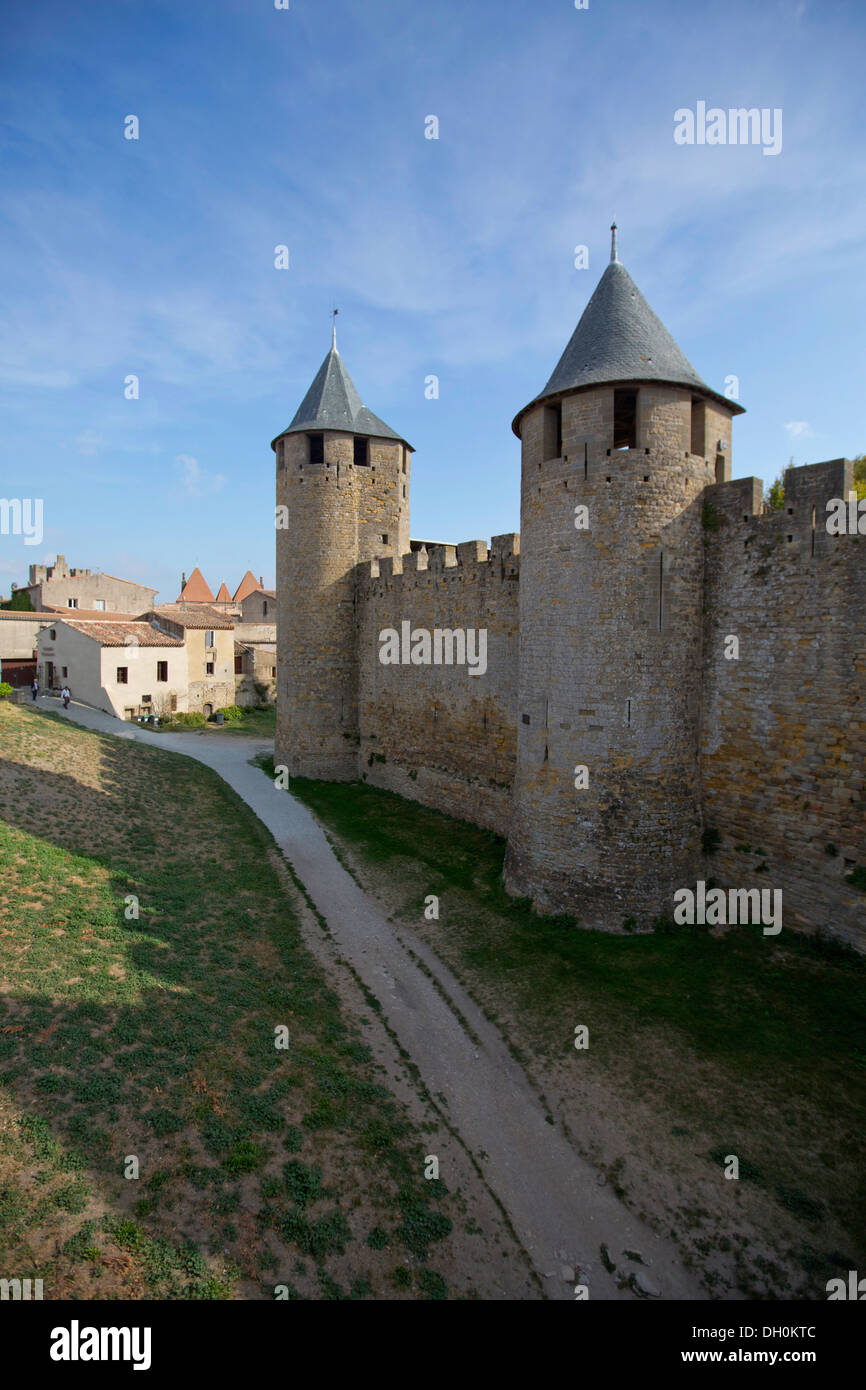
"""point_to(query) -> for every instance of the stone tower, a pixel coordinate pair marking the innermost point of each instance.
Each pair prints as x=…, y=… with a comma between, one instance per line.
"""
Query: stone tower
x=343, y=489
x=616, y=452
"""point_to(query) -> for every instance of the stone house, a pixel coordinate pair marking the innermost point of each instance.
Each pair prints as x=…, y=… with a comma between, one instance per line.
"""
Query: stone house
x=57, y=587
x=124, y=666
x=209, y=640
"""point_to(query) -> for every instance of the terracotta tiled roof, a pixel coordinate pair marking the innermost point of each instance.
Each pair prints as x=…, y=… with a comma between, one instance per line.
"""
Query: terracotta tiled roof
x=247, y=586
x=83, y=615
x=125, y=634
x=223, y=595
x=198, y=616
x=195, y=590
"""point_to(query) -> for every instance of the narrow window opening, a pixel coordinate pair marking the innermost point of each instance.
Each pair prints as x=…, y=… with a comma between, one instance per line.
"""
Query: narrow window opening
x=317, y=448
x=813, y=529
x=162, y=670
x=628, y=713
x=625, y=419
x=585, y=461
x=661, y=589
x=552, y=432
x=699, y=427
x=362, y=451
x=385, y=539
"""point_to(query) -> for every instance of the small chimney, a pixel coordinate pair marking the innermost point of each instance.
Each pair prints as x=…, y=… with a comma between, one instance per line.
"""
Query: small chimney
x=261, y=582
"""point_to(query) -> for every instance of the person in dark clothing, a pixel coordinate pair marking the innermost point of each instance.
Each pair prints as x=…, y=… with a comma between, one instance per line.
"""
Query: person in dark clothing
x=34, y=689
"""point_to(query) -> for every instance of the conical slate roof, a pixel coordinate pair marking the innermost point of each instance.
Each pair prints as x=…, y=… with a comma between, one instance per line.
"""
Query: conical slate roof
x=333, y=403
x=619, y=338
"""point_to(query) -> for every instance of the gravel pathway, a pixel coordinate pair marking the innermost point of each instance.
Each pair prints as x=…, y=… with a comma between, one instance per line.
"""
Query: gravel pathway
x=557, y=1203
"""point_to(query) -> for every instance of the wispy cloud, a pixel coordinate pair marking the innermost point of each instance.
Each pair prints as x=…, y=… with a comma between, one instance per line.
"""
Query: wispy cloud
x=196, y=481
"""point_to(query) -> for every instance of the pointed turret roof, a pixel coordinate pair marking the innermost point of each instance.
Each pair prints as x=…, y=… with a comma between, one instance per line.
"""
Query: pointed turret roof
x=247, y=586
x=223, y=595
x=619, y=338
x=195, y=590
x=333, y=403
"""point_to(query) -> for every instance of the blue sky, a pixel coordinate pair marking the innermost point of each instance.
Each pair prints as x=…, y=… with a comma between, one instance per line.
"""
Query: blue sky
x=453, y=257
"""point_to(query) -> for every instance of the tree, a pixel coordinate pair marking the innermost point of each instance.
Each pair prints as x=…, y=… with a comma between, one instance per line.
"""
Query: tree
x=19, y=602
x=860, y=475
x=774, y=496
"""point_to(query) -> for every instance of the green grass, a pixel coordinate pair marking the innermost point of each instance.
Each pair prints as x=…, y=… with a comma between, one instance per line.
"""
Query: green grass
x=153, y=1036
x=760, y=1043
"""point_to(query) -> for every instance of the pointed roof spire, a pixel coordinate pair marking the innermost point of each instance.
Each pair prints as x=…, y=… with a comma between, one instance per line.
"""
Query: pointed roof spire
x=246, y=587
x=195, y=589
x=223, y=595
x=619, y=338
x=333, y=403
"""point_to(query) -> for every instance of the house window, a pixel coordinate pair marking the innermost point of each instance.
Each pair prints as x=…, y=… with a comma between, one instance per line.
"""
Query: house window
x=264, y=608
x=66, y=669
x=273, y=673
x=147, y=699
x=208, y=668
x=54, y=634
x=208, y=639
x=625, y=419
x=552, y=431
x=99, y=604
x=317, y=448
x=72, y=603
x=385, y=539
x=239, y=664
x=123, y=675
x=162, y=670
x=699, y=427
x=362, y=451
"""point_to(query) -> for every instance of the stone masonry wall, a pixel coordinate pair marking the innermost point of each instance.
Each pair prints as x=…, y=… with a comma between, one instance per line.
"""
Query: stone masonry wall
x=610, y=633
x=435, y=733
x=784, y=727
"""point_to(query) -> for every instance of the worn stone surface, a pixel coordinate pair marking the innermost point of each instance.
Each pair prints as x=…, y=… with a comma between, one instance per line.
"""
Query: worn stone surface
x=605, y=650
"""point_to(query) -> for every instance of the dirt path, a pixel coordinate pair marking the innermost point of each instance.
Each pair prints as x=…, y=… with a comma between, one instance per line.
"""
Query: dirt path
x=558, y=1208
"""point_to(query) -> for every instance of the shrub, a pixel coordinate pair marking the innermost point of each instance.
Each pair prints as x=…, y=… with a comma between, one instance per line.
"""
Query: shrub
x=193, y=720
x=5, y=690
x=230, y=712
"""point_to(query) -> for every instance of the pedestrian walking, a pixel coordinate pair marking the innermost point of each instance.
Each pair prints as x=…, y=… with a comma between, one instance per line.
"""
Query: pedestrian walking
x=65, y=696
x=34, y=689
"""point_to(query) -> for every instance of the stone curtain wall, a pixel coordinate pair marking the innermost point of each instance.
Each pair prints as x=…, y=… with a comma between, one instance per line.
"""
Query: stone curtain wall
x=435, y=733
x=784, y=727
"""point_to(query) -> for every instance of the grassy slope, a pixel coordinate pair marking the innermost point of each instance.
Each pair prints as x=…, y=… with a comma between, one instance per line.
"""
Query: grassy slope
x=758, y=1042
x=155, y=1038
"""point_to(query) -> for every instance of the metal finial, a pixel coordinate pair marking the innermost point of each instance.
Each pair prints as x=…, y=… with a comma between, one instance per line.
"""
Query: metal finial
x=614, y=256
x=334, y=331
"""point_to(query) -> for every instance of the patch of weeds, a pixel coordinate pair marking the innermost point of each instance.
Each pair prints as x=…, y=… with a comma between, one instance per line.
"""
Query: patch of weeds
x=245, y=1157
x=798, y=1204
x=303, y=1183
x=420, y=1226
x=402, y=1277
x=432, y=1285
x=293, y=1140
x=377, y=1239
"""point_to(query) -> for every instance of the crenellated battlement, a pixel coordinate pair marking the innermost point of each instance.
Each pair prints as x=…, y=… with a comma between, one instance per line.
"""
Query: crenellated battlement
x=501, y=560
x=808, y=490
